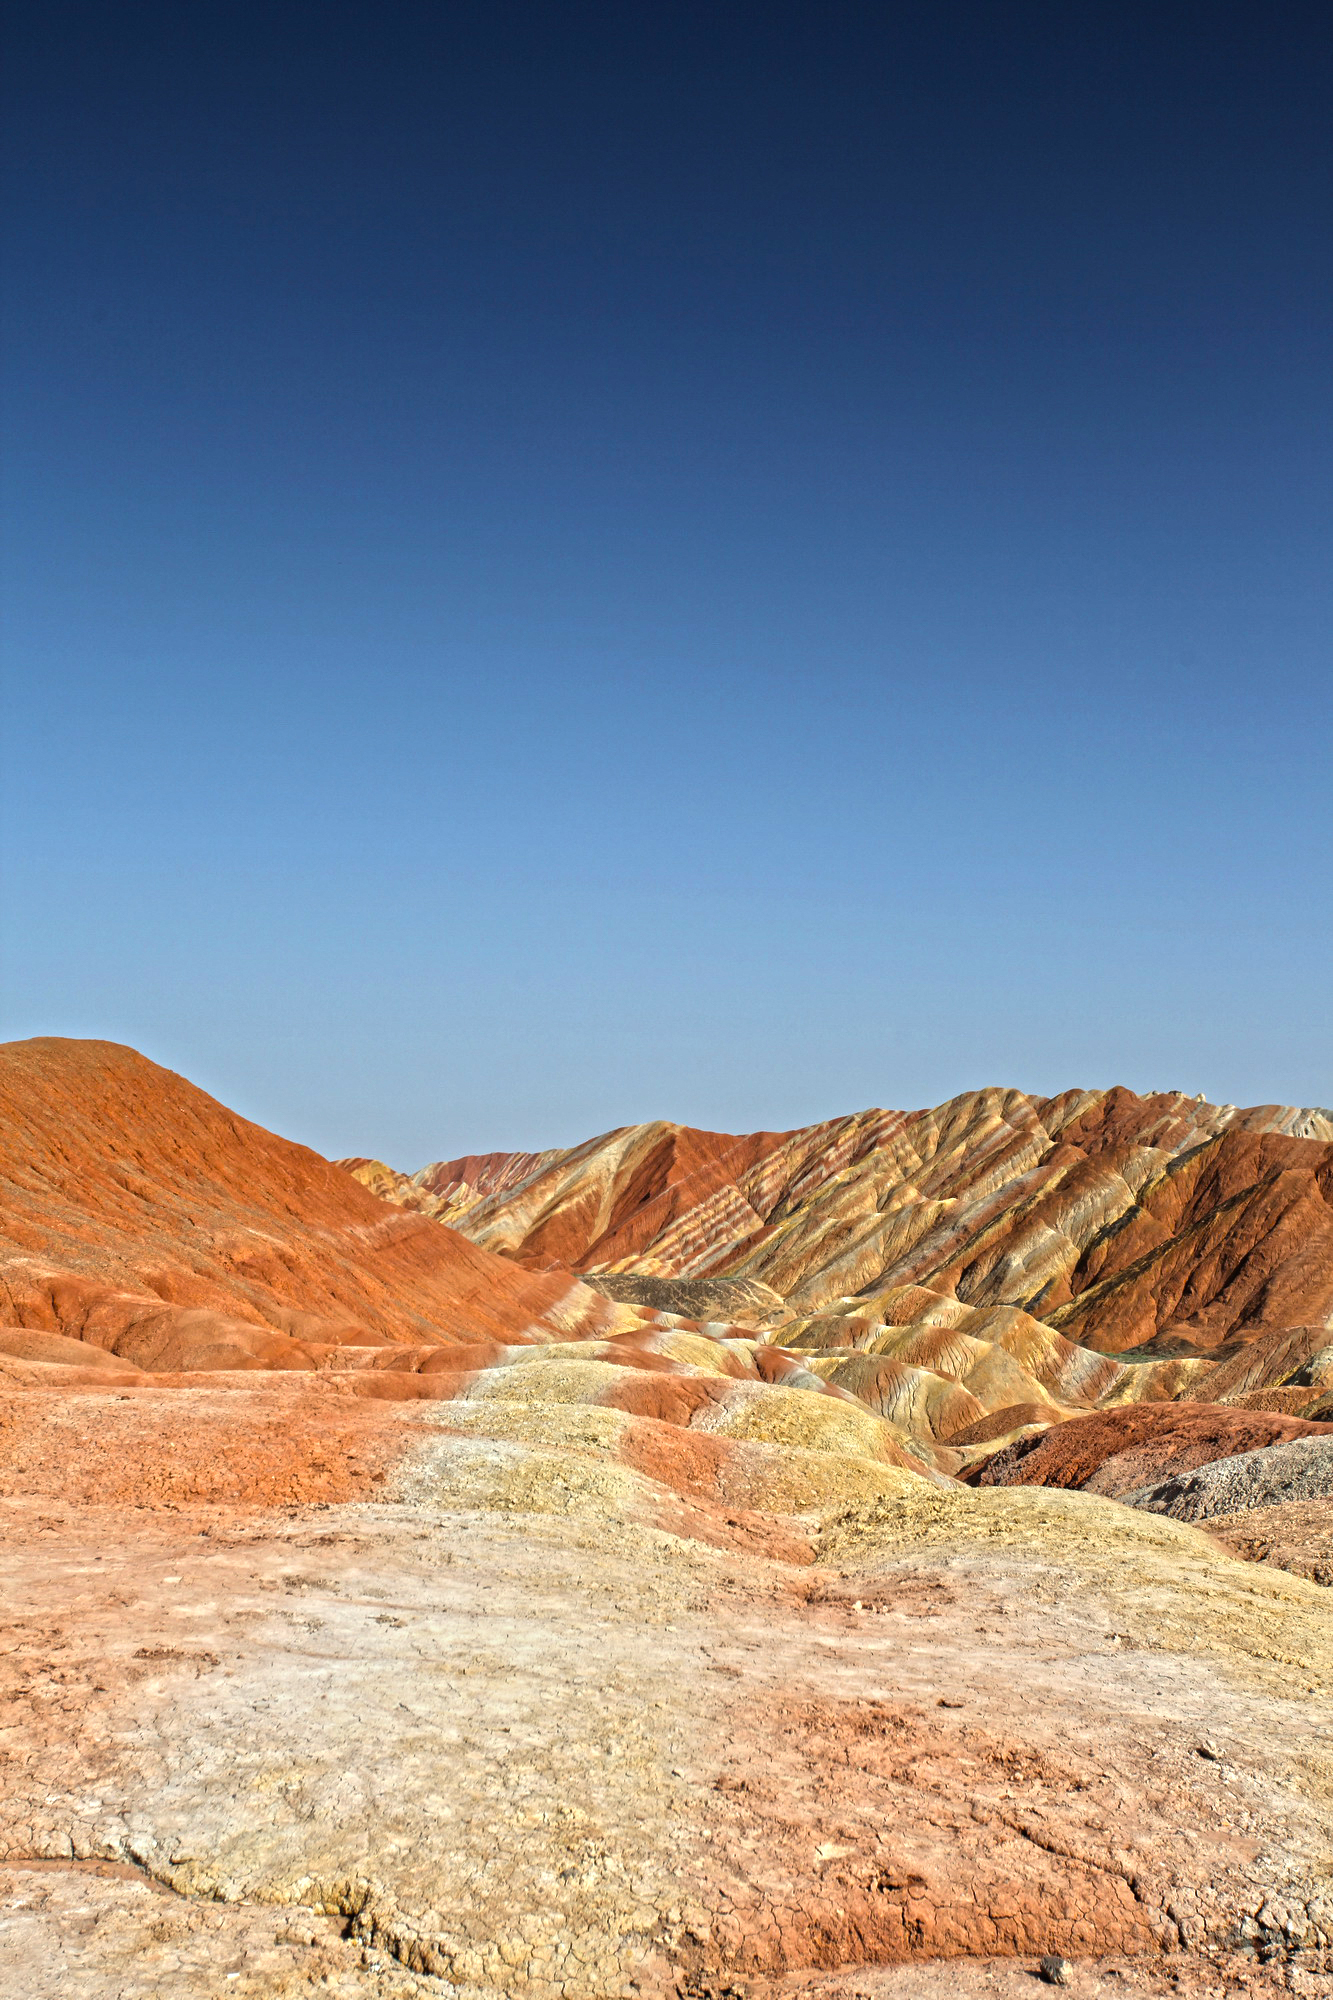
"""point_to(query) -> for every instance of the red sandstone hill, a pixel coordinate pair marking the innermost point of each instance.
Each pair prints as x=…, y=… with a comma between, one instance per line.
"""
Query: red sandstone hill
x=675, y=1588
x=144, y=1217
x=150, y=1238
x=992, y=1256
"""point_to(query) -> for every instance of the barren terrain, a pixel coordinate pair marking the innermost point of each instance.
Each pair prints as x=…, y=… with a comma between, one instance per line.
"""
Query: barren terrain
x=360, y=1643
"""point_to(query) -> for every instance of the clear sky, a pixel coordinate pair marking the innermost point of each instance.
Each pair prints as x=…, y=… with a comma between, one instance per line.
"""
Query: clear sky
x=568, y=564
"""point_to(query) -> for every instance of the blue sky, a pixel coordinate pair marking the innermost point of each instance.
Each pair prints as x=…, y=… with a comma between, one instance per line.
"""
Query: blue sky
x=564, y=567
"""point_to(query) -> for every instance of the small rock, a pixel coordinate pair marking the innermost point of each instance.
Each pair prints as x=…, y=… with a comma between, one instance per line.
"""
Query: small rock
x=1055, y=1970
x=1210, y=1751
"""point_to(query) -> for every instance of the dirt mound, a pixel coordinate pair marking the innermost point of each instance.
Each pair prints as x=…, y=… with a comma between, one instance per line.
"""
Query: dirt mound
x=1298, y=1469
x=1297, y=1536
x=1114, y=1451
x=21, y=1343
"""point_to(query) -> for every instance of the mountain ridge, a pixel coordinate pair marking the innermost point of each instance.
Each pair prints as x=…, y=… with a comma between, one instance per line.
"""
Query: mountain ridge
x=993, y=1197
x=413, y=1614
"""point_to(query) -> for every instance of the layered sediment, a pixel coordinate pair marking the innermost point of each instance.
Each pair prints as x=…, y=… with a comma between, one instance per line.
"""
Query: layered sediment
x=1127, y=1222
x=520, y=1580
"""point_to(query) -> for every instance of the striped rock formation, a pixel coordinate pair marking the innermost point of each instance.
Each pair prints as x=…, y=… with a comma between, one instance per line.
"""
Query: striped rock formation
x=387, y=1617
x=1000, y=1253
x=1122, y=1218
x=149, y=1233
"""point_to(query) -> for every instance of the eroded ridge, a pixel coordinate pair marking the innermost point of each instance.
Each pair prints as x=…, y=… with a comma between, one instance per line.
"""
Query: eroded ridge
x=384, y=1615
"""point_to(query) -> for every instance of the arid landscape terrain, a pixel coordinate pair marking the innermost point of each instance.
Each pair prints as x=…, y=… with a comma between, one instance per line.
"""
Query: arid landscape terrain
x=868, y=1560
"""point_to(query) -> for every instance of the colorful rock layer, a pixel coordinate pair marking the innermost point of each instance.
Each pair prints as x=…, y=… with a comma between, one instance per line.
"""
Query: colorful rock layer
x=792, y=1604
x=999, y=1255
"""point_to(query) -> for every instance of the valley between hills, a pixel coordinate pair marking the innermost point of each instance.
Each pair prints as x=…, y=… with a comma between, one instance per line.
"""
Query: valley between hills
x=886, y=1558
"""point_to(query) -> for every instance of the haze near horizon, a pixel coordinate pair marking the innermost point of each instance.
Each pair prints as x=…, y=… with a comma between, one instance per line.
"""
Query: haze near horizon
x=567, y=567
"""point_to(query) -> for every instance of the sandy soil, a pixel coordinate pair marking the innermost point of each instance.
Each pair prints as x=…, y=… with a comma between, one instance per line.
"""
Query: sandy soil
x=488, y=1728
x=1296, y=1536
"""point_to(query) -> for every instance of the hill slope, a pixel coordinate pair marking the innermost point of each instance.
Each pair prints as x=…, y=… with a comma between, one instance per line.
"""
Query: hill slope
x=425, y=1622
x=1125, y=1222
x=131, y=1198
x=145, y=1221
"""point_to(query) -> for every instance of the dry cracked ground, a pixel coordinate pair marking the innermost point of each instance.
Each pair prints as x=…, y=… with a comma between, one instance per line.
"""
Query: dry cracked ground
x=509, y=1718
x=705, y=1573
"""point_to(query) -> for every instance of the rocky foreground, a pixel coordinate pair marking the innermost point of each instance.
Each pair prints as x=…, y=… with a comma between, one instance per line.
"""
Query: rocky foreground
x=395, y=1611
